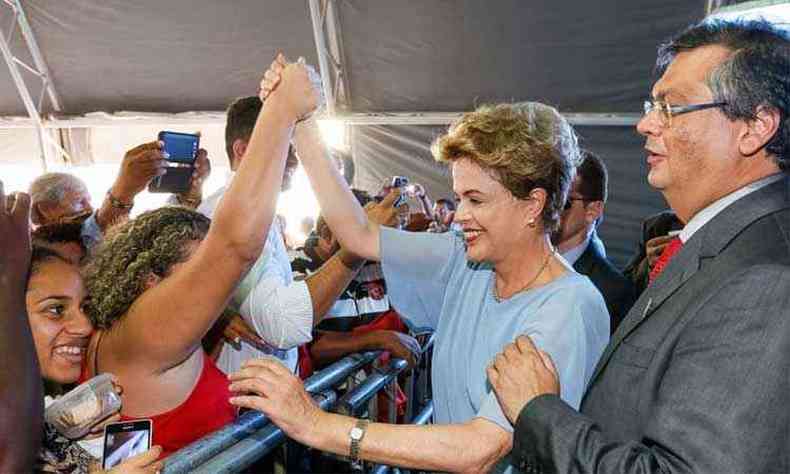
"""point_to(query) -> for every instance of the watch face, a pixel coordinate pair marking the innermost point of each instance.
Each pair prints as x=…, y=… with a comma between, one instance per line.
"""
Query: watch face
x=356, y=433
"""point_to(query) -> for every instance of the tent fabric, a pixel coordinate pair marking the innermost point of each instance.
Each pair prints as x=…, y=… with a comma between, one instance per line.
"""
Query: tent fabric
x=408, y=55
x=177, y=56
x=449, y=55
x=404, y=150
x=158, y=56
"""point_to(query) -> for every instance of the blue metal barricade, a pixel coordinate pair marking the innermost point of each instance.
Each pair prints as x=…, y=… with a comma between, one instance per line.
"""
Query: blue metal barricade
x=244, y=453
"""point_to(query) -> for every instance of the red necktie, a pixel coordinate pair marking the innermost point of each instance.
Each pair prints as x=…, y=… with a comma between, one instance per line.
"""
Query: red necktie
x=670, y=250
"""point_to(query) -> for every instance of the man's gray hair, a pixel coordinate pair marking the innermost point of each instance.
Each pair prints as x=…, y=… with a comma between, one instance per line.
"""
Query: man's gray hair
x=52, y=187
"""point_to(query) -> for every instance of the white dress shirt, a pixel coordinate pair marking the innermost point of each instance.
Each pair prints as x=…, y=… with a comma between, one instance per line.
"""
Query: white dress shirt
x=277, y=307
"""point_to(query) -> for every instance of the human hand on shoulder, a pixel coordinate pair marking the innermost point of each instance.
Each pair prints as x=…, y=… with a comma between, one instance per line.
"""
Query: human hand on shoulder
x=520, y=373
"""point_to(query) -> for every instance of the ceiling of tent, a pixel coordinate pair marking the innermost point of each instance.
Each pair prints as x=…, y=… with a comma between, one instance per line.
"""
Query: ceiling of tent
x=405, y=55
x=158, y=55
x=448, y=55
x=172, y=56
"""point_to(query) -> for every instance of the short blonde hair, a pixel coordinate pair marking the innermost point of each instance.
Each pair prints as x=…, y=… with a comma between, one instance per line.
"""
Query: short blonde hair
x=525, y=145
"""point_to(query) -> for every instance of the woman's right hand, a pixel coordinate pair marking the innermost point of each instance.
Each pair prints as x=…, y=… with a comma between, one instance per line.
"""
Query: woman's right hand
x=297, y=83
x=142, y=463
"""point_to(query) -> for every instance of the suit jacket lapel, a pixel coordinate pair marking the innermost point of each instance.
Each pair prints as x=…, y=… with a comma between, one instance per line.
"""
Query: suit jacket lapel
x=709, y=241
x=682, y=267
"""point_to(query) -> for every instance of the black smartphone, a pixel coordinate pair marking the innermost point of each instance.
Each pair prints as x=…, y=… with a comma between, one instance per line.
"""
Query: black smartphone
x=181, y=149
x=400, y=182
x=124, y=440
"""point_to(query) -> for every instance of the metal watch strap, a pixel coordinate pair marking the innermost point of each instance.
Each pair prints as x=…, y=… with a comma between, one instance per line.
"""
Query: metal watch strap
x=353, y=451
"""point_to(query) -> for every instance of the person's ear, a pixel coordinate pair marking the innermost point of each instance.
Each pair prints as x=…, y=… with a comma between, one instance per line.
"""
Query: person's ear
x=534, y=205
x=759, y=130
x=592, y=211
x=239, y=149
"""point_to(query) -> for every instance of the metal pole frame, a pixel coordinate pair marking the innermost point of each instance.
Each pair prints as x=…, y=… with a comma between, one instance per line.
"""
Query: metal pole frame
x=329, y=48
x=380, y=118
x=39, y=69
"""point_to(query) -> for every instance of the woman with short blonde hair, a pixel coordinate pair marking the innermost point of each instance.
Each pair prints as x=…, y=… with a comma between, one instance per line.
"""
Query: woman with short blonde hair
x=512, y=166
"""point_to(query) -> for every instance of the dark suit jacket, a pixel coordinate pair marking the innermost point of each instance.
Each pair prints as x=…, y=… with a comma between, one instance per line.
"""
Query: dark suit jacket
x=617, y=290
x=696, y=379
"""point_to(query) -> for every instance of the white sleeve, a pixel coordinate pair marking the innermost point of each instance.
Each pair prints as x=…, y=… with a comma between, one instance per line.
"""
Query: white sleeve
x=281, y=315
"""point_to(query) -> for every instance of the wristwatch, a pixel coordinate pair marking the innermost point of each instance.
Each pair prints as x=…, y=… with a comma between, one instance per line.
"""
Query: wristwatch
x=356, y=434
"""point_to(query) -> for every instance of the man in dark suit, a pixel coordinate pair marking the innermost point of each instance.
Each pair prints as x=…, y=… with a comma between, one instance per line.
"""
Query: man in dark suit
x=696, y=377
x=578, y=242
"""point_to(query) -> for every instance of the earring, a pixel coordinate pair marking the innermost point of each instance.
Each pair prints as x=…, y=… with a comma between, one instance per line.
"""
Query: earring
x=531, y=222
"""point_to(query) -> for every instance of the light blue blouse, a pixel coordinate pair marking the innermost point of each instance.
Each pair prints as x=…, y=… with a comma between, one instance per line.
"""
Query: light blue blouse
x=432, y=285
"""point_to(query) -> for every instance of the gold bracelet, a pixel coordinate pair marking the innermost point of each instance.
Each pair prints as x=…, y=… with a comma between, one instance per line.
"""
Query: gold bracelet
x=117, y=203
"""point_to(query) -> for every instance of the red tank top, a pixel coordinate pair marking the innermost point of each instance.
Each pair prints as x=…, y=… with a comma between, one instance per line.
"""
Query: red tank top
x=207, y=409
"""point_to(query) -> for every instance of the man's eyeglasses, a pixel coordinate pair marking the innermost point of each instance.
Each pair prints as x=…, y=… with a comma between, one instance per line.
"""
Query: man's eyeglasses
x=666, y=111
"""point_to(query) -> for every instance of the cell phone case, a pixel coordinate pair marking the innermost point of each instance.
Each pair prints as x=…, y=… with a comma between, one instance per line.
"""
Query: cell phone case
x=175, y=180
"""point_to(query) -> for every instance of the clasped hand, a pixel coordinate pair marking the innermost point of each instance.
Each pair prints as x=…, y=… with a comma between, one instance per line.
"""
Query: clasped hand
x=297, y=83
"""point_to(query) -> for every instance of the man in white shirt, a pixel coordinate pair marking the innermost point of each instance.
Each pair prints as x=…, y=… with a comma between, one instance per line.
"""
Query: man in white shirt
x=282, y=311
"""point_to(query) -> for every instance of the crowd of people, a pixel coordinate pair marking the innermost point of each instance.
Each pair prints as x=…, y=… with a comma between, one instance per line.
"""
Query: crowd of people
x=547, y=358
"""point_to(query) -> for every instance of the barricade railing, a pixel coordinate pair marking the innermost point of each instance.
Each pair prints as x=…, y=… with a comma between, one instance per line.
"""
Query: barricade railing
x=244, y=453
x=354, y=401
x=251, y=436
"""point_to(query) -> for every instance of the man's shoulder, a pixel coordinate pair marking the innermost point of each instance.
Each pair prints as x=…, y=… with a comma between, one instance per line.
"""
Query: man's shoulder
x=599, y=268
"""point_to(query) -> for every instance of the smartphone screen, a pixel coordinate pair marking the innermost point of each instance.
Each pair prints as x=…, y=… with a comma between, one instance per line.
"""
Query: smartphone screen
x=124, y=440
x=182, y=147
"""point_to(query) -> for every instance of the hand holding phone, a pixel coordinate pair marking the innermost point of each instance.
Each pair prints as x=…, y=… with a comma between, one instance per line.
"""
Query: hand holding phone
x=180, y=151
x=124, y=440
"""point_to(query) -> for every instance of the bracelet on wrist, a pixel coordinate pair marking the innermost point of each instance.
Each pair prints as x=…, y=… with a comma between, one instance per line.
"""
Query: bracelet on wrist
x=119, y=204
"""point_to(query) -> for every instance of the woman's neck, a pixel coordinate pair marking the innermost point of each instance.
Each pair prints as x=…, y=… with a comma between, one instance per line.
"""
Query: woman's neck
x=534, y=266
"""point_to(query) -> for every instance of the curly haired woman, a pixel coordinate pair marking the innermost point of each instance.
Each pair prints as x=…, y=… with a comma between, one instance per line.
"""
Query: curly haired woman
x=158, y=283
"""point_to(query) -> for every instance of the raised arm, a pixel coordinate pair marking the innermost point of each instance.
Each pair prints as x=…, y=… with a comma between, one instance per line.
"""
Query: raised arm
x=182, y=307
x=21, y=399
x=338, y=205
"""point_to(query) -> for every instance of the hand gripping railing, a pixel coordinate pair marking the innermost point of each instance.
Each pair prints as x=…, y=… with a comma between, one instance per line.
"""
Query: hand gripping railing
x=422, y=418
x=244, y=453
x=191, y=457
